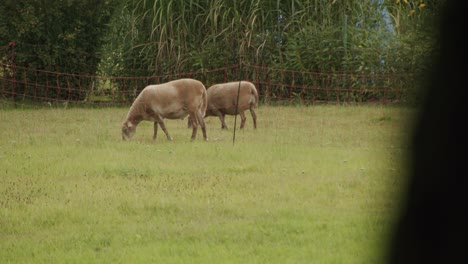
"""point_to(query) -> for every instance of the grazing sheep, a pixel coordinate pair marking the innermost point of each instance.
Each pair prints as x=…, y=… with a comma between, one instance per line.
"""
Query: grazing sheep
x=222, y=100
x=172, y=100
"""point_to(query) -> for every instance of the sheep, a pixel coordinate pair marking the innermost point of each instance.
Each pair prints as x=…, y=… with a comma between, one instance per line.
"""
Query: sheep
x=172, y=100
x=222, y=100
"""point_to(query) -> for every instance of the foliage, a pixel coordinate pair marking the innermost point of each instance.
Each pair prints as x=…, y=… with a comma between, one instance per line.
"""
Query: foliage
x=364, y=37
x=165, y=38
x=62, y=36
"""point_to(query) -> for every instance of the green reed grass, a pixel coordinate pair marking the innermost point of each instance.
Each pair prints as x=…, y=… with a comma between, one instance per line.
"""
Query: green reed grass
x=317, y=184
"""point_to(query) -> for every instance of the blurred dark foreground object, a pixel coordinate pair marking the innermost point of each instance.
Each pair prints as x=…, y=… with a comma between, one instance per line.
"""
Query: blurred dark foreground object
x=433, y=221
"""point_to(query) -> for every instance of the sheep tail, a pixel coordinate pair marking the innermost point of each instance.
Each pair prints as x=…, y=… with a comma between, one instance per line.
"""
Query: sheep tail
x=255, y=93
x=204, y=103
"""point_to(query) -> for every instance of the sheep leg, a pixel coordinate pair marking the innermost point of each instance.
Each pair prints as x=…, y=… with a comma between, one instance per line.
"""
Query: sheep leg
x=254, y=116
x=201, y=121
x=155, y=134
x=163, y=126
x=189, y=122
x=221, y=118
x=159, y=120
x=243, y=118
x=194, y=125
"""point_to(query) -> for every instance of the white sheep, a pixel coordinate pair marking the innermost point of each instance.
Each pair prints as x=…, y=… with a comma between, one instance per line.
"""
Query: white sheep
x=222, y=100
x=172, y=100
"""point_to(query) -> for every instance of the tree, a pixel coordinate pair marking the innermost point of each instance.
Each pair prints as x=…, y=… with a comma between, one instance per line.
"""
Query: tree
x=54, y=35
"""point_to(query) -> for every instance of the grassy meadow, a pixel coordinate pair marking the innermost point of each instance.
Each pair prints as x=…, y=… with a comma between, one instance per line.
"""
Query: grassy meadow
x=316, y=184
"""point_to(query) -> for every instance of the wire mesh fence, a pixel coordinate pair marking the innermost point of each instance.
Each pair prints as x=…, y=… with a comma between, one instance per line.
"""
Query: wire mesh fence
x=21, y=85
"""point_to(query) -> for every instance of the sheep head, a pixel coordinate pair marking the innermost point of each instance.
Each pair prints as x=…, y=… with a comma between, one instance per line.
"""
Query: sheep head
x=128, y=130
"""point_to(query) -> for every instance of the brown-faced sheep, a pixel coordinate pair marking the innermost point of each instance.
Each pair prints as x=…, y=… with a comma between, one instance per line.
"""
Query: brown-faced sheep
x=222, y=100
x=172, y=100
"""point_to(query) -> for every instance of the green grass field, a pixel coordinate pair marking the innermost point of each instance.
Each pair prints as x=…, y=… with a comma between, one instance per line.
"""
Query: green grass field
x=317, y=184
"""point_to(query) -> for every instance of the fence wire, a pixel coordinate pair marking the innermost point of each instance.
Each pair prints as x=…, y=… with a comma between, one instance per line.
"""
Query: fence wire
x=22, y=85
